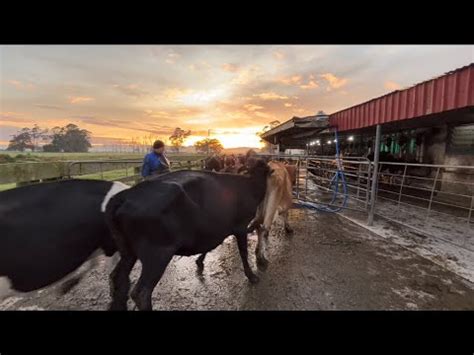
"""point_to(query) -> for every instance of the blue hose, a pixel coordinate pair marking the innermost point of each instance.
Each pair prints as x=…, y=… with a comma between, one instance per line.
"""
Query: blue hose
x=334, y=185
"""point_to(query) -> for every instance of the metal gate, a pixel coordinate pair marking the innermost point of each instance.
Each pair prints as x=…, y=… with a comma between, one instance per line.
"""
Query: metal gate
x=437, y=200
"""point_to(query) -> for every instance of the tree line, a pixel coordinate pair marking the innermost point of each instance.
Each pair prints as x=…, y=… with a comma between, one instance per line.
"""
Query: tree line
x=69, y=138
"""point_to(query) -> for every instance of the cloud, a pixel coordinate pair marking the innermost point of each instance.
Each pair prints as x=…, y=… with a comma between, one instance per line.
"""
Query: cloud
x=252, y=107
x=203, y=65
x=49, y=107
x=79, y=99
x=133, y=90
x=148, y=127
x=291, y=80
x=278, y=55
x=172, y=57
x=229, y=67
x=270, y=96
x=391, y=85
x=333, y=81
x=247, y=75
x=157, y=114
x=288, y=104
x=312, y=84
x=173, y=94
x=198, y=121
x=21, y=85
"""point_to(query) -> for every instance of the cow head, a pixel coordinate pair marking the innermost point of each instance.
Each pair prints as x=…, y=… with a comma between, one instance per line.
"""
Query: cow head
x=257, y=167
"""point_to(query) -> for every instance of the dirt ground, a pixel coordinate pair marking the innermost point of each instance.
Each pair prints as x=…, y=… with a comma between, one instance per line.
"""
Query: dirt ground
x=328, y=264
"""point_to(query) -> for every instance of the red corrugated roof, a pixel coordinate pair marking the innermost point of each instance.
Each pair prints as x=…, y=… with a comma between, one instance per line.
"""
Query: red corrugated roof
x=450, y=91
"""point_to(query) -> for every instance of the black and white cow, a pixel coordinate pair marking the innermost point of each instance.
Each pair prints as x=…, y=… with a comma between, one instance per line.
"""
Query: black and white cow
x=181, y=213
x=47, y=231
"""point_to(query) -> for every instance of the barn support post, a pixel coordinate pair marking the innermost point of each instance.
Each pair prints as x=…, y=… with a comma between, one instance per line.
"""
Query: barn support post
x=373, y=189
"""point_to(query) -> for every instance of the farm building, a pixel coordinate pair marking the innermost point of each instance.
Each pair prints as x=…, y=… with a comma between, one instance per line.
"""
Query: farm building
x=424, y=166
x=431, y=122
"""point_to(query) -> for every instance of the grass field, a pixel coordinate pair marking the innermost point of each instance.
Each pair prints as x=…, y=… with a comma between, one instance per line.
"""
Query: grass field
x=18, y=157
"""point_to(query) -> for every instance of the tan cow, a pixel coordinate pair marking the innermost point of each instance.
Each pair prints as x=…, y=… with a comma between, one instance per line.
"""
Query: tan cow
x=277, y=201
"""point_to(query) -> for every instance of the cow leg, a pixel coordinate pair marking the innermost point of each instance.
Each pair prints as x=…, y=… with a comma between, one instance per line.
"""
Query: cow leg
x=120, y=283
x=200, y=264
x=154, y=262
x=243, y=250
x=288, y=228
x=262, y=262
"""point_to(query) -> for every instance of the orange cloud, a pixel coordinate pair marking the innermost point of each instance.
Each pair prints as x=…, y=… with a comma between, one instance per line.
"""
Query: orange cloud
x=79, y=99
x=229, y=67
x=21, y=86
x=333, y=81
x=391, y=85
x=252, y=107
x=270, y=96
x=312, y=84
x=288, y=104
x=292, y=80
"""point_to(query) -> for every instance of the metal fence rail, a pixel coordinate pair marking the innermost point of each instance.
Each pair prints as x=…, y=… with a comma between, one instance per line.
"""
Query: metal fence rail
x=433, y=199
x=121, y=170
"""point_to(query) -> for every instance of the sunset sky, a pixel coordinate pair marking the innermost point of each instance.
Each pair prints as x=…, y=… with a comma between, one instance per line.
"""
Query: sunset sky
x=120, y=92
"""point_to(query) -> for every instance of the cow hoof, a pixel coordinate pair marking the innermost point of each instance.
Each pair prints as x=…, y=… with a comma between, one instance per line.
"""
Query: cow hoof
x=262, y=264
x=253, y=279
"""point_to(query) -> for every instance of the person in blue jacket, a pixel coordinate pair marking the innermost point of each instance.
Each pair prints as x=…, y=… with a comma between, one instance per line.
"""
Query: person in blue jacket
x=155, y=162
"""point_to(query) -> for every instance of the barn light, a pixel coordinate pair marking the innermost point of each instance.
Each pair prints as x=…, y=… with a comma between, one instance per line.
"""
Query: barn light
x=318, y=142
x=350, y=138
x=335, y=141
x=329, y=142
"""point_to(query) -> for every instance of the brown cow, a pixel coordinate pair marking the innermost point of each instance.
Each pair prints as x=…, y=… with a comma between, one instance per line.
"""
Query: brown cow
x=278, y=200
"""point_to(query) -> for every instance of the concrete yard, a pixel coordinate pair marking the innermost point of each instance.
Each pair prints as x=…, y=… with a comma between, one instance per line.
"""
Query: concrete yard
x=329, y=263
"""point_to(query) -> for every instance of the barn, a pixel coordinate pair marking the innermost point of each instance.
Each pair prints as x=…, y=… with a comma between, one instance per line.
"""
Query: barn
x=420, y=172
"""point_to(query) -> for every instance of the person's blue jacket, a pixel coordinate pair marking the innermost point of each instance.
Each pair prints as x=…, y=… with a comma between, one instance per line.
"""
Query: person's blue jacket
x=154, y=164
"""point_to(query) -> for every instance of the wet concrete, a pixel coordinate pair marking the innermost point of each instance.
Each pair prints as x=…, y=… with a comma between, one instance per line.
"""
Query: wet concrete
x=328, y=264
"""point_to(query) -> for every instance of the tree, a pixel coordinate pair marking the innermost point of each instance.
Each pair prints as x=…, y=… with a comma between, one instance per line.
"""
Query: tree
x=271, y=125
x=208, y=145
x=21, y=141
x=36, y=134
x=69, y=139
x=178, y=137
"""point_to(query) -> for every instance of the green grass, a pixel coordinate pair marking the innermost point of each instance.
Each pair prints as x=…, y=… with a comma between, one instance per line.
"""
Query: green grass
x=4, y=187
x=107, y=175
x=19, y=157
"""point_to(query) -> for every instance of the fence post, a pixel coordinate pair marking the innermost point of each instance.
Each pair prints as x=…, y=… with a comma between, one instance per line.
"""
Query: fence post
x=401, y=186
x=378, y=131
x=367, y=188
x=298, y=178
x=432, y=192
x=470, y=210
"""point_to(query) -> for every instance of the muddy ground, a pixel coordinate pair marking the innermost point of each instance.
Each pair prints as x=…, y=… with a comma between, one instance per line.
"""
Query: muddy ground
x=328, y=264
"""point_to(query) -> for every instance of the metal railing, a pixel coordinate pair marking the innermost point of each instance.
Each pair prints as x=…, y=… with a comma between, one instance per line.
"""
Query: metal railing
x=433, y=199
x=437, y=200
x=121, y=170
x=314, y=175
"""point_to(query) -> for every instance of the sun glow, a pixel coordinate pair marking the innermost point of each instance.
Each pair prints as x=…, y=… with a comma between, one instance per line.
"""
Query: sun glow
x=232, y=138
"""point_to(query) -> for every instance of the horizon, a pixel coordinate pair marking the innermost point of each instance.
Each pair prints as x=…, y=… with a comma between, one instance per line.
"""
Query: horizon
x=120, y=92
